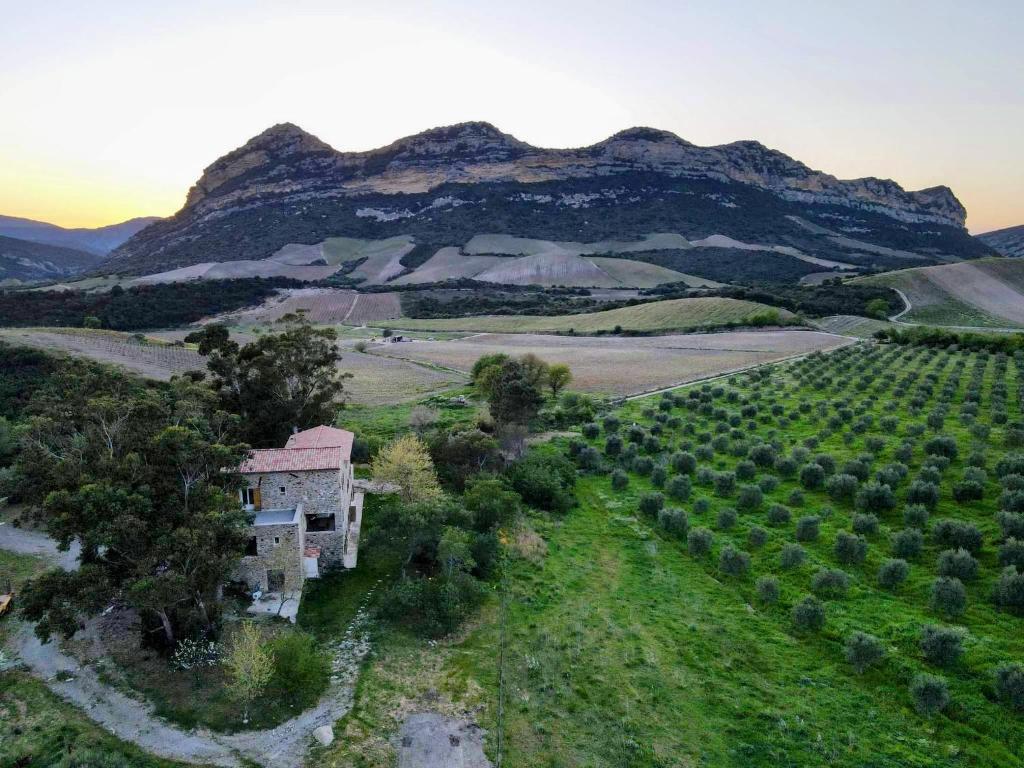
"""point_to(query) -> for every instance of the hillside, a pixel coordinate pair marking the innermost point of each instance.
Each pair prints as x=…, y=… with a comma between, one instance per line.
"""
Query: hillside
x=445, y=186
x=984, y=293
x=98, y=241
x=26, y=261
x=1009, y=241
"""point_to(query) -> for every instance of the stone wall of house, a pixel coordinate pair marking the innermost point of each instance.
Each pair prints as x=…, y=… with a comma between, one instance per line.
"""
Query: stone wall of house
x=285, y=555
x=320, y=492
x=332, y=548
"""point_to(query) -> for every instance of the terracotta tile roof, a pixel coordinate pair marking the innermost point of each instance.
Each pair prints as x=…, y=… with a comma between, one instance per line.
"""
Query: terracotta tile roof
x=323, y=437
x=292, y=460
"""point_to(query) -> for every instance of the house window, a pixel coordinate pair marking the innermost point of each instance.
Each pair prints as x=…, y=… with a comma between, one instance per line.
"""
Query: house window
x=249, y=496
x=282, y=490
x=315, y=523
x=250, y=548
x=277, y=540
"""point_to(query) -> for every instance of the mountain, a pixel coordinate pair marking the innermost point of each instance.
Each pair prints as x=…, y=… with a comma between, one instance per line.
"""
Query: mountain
x=99, y=241
x=445, y=185
x=26, y=261
x=1008, y=242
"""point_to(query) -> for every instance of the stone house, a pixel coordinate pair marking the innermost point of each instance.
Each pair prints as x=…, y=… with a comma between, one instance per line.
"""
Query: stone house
x=306, y=516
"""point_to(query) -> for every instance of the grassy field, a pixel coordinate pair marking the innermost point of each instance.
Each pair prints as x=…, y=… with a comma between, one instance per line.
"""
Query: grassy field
x=659, y=316
x=984, y=293
x=623, y=649
x=852, y=325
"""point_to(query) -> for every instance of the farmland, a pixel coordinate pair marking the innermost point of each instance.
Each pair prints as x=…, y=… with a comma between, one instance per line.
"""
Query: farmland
x=660, y=316
x=326, y=306
x=983, y=293
x=653, y=630
x=616, y=366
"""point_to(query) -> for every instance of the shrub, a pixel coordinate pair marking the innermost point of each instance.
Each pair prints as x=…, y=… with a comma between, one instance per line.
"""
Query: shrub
x=858, y=469
x=826, y=462
x=865, y=524
x=620, y=480
x=726, y=518
x=916, y=515
x=956, y=534
x=875, y=497
x=948, y=596
x=863, y=650
x=958, y=563
x=795, y=498
x=941, y=646
x=651, y=504
x=698, y=542
x=746, y=470
x=705, y=476
x=892, y=474
x=301, y=670
x=734, y=562
x=651, y=444
x=842, y=487
x=792, y=556
x=763, y=455
x=893, y=572
x=908, y=543
x=643, y=465
x=725, y=483
x=812, y=476
x=1011, y=501
x=658, y=477
x=674, y=522
x=750, y=498
x=591, y=430
x=768, y=483
x=830, y=583
x=809, y=614
x=808, y=528
x=768, y=589
x=778, y=514
x=1009, y=592
x=941, y=446
x=968, y=490
x=684, y=462
x=635, y=434
x=701, y=505
x=757, y=537
x=1009, y=685
x=613, y=445
x=923, y=492
x=850, y=549
x=1011, y=524
x=1011, y=552
x=679, y=487
x=786, y=467
x=589, y=459
x=611, y=423
x=545, y=480
x=929, y=694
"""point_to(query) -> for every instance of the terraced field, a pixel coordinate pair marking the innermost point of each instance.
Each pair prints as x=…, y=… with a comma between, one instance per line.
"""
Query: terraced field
x=659, y=316
x=852, y=325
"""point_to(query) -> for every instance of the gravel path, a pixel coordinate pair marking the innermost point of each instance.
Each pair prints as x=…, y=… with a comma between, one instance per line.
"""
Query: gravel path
x=26, y=542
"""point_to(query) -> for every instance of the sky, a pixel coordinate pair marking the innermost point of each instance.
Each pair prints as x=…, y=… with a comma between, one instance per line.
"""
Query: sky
x=111, y=109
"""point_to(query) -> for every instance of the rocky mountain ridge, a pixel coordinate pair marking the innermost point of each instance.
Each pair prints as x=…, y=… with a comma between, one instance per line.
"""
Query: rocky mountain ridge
x=96, y=240
x=1008, y=241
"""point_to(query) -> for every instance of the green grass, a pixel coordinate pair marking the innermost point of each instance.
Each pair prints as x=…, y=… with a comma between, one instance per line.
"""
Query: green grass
x=380, y=425
x=659, y=316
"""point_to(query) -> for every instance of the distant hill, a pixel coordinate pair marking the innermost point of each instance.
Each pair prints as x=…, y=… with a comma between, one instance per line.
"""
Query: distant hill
x=1009, y=241
x=26, y=261
x=443, y=187
x=99, y=241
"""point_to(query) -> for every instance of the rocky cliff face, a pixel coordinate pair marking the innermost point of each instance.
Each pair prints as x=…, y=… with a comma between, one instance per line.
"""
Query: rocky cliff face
x=446, y=184
x=1008, y=242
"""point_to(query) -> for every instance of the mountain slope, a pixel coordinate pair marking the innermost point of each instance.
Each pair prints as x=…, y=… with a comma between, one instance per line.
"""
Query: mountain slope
x=1009, y=241
x=27, y=261
x=99, y=241
x=445, y=185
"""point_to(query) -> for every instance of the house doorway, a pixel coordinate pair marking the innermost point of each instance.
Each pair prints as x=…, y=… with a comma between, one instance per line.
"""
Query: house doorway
x=275, y=581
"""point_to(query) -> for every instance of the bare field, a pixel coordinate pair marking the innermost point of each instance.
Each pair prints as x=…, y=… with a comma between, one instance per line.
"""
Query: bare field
x=374, y=308
x=325, y=306
x=626, y=366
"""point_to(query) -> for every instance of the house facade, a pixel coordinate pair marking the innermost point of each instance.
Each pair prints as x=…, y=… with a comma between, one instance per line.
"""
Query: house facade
x=306, y=516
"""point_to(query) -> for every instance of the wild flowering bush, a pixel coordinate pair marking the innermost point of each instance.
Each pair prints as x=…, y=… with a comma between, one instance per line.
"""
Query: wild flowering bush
x=196, y=654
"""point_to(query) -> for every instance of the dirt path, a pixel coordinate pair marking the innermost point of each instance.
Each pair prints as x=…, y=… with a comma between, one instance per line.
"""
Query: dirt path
x=26, y=542
x=906, y=308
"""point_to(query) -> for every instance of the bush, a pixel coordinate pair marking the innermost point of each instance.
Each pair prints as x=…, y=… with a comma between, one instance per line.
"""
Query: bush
x=809, y=614
x=684, y=463
x=948, y=596
x=968, y=490
x=725, y=483
x=643, y=465
x=916, y=516
x=589, y=459
x=792, y=556
x=857, y=469
x=658, y=477
x=830, y=583
x=620, y=480
x=795, y=498
x=301, y=670
x=734, y=562
x=956, y=534
x=1011, y=552
x=763, y=455
x=1009, y=685
x=699, y=541
x=929, y=694
x=705, y=476
x=779, y=515
x=750, y=498
x=842, y=487
x=679, y=487
x=808, y=528
x=1011, y=501
x=591, y=430
x=826, y=462
x=726, y=518
x=786, y=467
x=863, y=650
x=613, y=445
x=1011, y=525
x=850, y=549
x=651, y=504
x=757, y=537
x=958, y=563
x=545, y=479
x=908, y=543
x=865, y=524
x=768, y=589
x=942, y=446
x=941, y=646
x=923, y=492
x=746, y=470
x=611, y=423
x=768, y=483
x=674, y=522
x=1009, y=591
x=812, y=476
x=892, y=573
x=875, y=497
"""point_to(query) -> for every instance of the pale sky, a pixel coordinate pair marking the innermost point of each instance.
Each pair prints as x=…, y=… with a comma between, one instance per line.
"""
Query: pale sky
x=111, y=109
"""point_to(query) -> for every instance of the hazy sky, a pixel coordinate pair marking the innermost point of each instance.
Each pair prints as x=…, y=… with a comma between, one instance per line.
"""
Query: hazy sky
x=112, y=109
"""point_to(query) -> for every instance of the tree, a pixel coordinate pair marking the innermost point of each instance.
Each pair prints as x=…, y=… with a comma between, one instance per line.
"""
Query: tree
x=559, y=377
x=863, y=650
x=930, y=694
x=514, y=393
x=877, y=308
x=277, y=382
x=406, y=465
x=250, y=665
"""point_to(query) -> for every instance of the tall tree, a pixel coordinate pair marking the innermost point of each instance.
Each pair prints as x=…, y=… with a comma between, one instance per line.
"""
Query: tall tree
x=406, y=465
x=515, y=395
